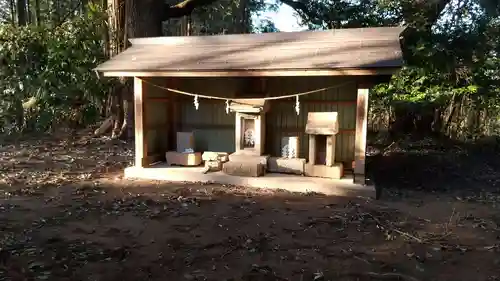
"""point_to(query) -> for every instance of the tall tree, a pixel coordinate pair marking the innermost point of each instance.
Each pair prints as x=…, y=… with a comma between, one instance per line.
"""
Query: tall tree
x=21, y=12
x=37, y=13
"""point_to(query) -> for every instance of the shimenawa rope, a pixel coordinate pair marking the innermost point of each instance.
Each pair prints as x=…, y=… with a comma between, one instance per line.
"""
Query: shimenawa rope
x=249, y=99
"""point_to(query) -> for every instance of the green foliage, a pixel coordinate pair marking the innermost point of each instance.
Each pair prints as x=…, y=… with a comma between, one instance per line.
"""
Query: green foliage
x=330, y=14
x=266, y=26
x=227, y=17
x=46, y=75
x=456, y=72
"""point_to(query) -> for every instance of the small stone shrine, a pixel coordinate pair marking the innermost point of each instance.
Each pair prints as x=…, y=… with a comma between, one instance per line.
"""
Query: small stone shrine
x=322, y=128
x=247, y=160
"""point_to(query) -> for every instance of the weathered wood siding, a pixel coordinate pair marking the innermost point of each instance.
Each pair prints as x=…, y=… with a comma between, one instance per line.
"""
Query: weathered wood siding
x=157, y=103
x=282, y=120
x=166, y=113
x=214, y=129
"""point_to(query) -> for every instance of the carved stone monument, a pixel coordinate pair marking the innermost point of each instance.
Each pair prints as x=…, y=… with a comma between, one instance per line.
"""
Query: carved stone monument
x=248, y=158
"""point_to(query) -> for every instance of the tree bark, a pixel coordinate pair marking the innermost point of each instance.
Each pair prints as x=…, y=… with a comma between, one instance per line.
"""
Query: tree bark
x=419, y=16
x=143, y=18
x=131, y=19
x=12, y=6
x=183, y=8
x=37, y=13
x=21, y=12
x=83, y=6
x=29, y=16
x=118, y=114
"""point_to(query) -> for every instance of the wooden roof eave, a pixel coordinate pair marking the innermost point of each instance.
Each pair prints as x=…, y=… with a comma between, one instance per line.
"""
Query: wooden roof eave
x=252, y=73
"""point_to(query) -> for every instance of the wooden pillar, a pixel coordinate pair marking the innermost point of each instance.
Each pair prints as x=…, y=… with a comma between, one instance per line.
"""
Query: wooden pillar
x=361, y=131
x=257, y=135
x=330, y=150
x=141, y=150
x=238, y=133
x=312, y=149
x=262, y=120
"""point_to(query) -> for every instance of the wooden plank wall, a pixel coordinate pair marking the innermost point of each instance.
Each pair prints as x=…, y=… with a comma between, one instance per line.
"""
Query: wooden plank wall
x=157, y=106
x=282, y=119
x=214, y=129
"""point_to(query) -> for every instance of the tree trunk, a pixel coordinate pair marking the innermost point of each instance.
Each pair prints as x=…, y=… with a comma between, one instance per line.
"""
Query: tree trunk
x=105, y=31
x=12, y=6
x=118, y=113
x=127, y=129
x=37, y=13
x=245, y=16
x=113, y=45
x=29, y=17
x=56, y=12
x=21, y=12
x=131, y=18
x=83, y=6
x=143, y=18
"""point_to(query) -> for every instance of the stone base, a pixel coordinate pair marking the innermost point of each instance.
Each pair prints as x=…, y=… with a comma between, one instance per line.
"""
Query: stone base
x=243, y=169
x=235, y=157
x=183, y=159
x=213, y=166
x=286, y=165
x=359, y=179
x=292, y=183
x=215, y=156
x=322, y=171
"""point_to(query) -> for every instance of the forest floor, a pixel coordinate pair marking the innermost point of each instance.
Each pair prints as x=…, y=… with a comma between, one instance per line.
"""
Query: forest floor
x=67, y=214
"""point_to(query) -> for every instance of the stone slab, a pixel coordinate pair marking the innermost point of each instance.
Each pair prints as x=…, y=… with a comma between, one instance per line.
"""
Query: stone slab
x=322, y=123
x=286, y=165
x=213, y=166
x=243, y=169
x=322, y=171
x=215, y=156
x=236, y=157
x=292, y=183
x=183, y=159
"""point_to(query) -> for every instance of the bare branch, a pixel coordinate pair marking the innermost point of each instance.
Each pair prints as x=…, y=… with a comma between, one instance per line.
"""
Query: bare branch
x=185, y=8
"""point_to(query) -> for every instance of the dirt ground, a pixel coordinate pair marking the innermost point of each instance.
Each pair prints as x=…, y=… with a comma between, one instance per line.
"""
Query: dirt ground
x=66, y=214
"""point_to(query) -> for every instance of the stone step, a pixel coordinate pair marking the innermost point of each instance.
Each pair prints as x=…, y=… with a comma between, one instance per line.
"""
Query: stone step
x=248, y=158
x=183, y=159
x=286, y=165
x=243, y=169
x=334, y=172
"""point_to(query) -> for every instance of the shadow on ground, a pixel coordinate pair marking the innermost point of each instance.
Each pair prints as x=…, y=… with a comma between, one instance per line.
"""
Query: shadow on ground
x=121, y=230
x=434, y=165
x=64, y=215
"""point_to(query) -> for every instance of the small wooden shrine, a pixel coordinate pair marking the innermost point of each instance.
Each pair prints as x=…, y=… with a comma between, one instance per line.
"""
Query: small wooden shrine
x=279, y=110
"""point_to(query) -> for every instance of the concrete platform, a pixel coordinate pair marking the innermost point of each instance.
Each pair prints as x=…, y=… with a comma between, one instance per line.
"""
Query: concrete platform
x=293, y=183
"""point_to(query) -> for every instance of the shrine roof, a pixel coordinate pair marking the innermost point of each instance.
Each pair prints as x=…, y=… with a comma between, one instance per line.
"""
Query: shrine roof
x=353, y=51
